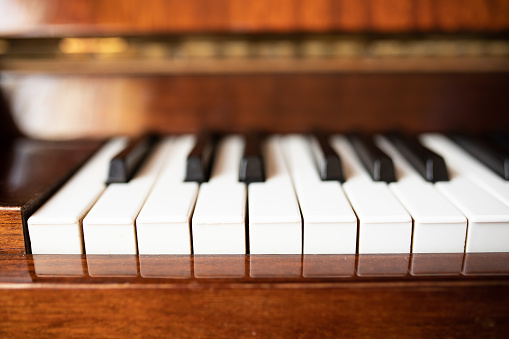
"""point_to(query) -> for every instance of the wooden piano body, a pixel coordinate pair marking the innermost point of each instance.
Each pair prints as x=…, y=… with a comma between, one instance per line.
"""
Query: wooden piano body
x=58, y=96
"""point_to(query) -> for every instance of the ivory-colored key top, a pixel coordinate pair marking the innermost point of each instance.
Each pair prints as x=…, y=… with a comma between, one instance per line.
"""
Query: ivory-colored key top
x=275, y=225
x=109, y=227
x=439, y=227
x=384, y=224
x=479, y=194
x=219, y=219
x=56, y=228
x=163, y=225
x=330, y=225
x=467, y=166
x=488, y=218
x=218, y=224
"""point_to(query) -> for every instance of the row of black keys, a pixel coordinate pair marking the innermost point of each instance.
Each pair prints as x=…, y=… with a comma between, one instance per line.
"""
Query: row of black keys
x=492, y=150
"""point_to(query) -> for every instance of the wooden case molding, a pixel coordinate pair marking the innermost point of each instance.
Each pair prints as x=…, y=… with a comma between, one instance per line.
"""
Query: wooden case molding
x=92, y=17
x=74, y=296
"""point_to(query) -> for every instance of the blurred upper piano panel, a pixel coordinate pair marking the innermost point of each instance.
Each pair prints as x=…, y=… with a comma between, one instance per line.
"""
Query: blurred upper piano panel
x=96, y=17
x=97, y=69
x=49, y=106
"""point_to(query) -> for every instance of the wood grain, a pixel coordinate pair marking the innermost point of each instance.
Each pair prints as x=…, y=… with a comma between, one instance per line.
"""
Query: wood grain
x=240, y=296
x=273, y=102
x=12, y=239
x=387, y=311
x=392, y=15
x=277, y=306
x=96, y=17
x=30, y=172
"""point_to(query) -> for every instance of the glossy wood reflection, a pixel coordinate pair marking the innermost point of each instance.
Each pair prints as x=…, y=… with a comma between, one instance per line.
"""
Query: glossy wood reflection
x=278, y=103
x=8, y=129
x=30, y=172
x=167, y=295
x=101, y=269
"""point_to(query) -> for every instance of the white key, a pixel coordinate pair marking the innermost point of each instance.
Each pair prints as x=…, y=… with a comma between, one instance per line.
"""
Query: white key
x=162, y=226
x=439, y=227
x=218, y=224
x=227, y=163
x=353, y=169
x=275, y=225
x=466, y=165
x=109, y=227
x=384, y=224
x=56, y=228
x=488, y=217
x=174, y=169
x=330, y=225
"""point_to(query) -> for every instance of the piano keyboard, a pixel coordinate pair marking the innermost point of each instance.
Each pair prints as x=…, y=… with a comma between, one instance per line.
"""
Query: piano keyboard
x=284, y=194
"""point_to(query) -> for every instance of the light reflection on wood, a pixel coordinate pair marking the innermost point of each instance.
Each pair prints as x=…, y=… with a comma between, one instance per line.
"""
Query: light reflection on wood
x=98, y=268
x=62, y=107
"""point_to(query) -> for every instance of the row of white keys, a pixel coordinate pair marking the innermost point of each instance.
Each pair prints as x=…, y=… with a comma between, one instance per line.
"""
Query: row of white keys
x=488, y=217
x=163, y=225
x=109, y=227
x=439, y=227
x=275, y=225
x=218, y=223
x=384, y=224
x=330, y=225
x=56, y=228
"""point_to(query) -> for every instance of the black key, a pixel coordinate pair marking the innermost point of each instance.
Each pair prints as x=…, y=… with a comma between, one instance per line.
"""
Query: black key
x=430, y=165
x=495, y=159
x=125, y=164
x=378, y=164
x=199, y=159
x=500, y=139
x=252, y=168
x=328, y=161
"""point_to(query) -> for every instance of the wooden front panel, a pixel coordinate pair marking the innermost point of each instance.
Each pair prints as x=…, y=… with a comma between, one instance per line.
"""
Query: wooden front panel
x=381, y=310
x=85, y=17
x=75, y=106
x=54, y=295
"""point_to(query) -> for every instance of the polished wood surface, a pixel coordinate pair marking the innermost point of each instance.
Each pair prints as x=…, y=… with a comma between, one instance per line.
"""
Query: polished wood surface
x=96, y=17
x=436, y=295
x=56, y=296
x=8, y=129
x=277, y=66
x=30, y=172
x=112, y=105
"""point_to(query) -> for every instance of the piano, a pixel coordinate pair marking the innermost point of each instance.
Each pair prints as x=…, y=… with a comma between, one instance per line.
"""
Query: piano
x=76, y=78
